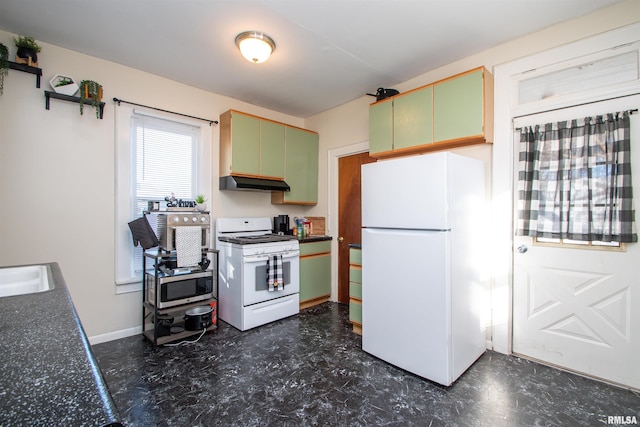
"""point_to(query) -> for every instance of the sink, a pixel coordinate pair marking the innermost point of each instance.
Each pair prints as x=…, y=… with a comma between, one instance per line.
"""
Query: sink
x=28, y=279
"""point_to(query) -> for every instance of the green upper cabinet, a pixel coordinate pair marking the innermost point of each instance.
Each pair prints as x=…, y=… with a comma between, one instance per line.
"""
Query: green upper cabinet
x=381, y=126
x=404, y=121
x=450, y=113
x=301, y=168
x=413, y=118
x=458, y=107
x=251, y=146
x=245, y=143
x=272, y=149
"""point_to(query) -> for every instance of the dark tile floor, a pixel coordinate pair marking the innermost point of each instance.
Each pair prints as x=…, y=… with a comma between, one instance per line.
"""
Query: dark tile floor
x=310, y=370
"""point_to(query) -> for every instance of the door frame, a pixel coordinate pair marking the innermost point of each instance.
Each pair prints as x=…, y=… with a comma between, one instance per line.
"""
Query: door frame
x=505, y=109
x=332, y=220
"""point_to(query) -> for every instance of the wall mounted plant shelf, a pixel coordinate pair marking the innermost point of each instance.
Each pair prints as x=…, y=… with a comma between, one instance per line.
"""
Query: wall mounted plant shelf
x=49, y=94
x=27, y=69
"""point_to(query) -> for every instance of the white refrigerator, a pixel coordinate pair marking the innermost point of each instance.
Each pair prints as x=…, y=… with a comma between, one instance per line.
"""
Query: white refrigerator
x=423, y=285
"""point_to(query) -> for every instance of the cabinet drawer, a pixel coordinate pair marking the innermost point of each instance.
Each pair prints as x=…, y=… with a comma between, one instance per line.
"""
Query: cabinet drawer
x=355, y=312
x=355, y=256
x=355, y=290
x=315, y=248
x=355, y=274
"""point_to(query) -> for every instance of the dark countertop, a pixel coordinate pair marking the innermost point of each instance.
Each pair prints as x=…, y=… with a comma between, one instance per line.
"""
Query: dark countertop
x=48, y=374
x=310, y=239
x=355, y=245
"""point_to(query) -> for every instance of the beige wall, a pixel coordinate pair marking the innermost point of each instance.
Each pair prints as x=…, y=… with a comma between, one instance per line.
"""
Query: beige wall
x=57, y=167
x=57, y=176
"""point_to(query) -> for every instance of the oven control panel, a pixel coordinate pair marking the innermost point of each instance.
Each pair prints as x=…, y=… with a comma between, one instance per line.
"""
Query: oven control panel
x=188, y=219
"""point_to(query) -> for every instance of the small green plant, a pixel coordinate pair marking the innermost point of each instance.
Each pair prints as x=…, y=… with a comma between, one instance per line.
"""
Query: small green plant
x=63, y=82
x=90, y=92
x=4, y=65
x=200, y=199
x=27, y=42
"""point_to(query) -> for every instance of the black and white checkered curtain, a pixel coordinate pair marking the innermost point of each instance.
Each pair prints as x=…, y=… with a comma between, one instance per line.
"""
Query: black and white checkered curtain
x=574, y=180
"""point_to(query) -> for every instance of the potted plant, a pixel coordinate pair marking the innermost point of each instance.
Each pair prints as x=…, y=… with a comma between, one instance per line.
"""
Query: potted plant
x=90, y=92
x=200, y=203
x=27, y=50
x=63, y=84
x=4, y=65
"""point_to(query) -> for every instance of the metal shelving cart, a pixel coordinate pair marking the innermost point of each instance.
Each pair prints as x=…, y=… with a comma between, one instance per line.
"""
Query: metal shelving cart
x=152, y=316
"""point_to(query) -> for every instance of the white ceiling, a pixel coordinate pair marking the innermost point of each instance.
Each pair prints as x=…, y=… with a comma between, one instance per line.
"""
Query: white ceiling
x=328, y=52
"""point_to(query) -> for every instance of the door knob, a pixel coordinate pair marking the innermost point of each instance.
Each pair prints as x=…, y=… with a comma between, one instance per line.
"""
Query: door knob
x=522, y=249
x=340, y=239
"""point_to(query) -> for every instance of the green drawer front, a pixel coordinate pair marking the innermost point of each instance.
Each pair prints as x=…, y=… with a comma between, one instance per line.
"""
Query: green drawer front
x=355, y=256
x=315, y=247
x=355, y=274
x=355, y=290
x=355, y=312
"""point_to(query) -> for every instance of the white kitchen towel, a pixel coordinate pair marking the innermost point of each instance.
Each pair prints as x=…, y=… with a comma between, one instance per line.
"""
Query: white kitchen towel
x=274, y=275
x=188, y=249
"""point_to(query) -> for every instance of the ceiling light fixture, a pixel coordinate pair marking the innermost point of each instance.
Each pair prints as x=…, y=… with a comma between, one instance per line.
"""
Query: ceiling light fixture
x=255, y=46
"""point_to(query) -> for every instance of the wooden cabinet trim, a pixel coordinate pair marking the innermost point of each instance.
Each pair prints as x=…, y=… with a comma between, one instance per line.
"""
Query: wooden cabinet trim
x=247, y=175
x=277, y=198
x=315, y=255
x=314, y=301
x=269, y=120
x=428, y=148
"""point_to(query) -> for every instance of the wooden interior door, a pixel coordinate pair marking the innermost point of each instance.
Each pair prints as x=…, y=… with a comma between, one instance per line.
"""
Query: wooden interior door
x=349, y=215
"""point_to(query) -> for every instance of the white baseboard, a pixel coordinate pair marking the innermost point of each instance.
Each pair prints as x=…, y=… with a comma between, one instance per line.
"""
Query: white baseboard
x=111, y=336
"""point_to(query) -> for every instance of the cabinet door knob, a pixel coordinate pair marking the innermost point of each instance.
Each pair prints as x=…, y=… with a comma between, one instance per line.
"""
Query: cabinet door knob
x=340, y=239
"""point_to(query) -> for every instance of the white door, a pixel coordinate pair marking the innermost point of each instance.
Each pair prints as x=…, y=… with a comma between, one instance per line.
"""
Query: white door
x=579, y=309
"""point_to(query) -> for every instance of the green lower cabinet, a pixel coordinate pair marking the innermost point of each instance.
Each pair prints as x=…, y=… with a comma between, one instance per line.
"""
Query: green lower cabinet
x=355, y=289
x=355, y=312
x=315, y=273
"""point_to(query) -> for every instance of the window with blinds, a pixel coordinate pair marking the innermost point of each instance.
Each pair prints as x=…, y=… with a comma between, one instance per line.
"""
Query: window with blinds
x=164, y=162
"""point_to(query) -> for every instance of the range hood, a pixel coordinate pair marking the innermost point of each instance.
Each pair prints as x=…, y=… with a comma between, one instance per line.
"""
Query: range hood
x=252, y=184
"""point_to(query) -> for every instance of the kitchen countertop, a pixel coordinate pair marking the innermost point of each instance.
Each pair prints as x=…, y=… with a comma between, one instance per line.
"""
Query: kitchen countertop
x=310, y=239
x=355, y=245
x=48, y=374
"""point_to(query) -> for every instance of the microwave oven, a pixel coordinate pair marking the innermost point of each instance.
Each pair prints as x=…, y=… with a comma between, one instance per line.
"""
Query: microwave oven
x=178, y=289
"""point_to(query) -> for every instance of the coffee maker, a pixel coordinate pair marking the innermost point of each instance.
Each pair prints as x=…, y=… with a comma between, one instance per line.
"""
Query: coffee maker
x=281, y=225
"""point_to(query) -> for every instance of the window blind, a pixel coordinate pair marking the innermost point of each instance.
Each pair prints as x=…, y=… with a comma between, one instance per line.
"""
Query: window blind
x=163, y=161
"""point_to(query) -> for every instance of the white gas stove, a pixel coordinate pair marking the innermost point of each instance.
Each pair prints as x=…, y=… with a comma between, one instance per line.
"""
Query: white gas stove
x=247, y=251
